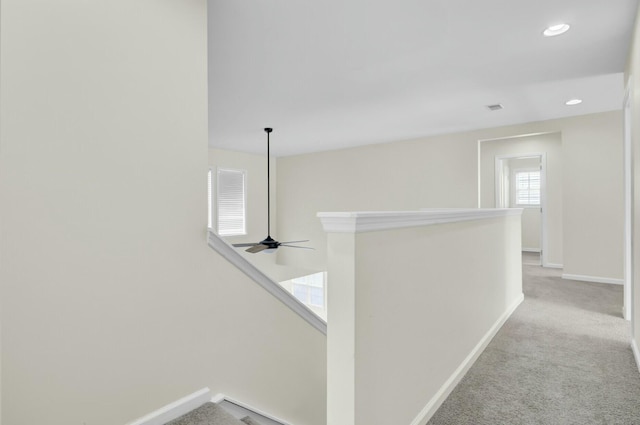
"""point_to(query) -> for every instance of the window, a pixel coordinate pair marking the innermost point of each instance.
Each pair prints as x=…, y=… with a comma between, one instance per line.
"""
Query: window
x=230, y=202
x=527, y=188
x=310, y=289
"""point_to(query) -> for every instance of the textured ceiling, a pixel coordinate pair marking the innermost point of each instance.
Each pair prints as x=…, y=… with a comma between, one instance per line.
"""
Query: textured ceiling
x=335, y=74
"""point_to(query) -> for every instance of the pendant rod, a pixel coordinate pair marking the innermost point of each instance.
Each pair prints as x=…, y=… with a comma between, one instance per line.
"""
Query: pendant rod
x=268, y=130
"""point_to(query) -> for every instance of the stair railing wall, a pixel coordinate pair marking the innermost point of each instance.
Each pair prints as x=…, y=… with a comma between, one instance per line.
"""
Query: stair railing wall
x=234, y=257
x=413, y=297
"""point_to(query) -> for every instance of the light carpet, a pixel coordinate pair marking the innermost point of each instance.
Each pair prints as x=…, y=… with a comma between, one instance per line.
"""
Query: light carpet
x=207, y=414
x=563, y=357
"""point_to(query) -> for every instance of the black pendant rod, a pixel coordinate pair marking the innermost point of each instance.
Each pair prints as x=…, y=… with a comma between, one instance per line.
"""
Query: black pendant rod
x=268, y=130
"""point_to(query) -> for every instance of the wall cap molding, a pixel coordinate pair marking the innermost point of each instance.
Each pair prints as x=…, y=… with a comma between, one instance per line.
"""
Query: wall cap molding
x=372, y=221
x=230, y=254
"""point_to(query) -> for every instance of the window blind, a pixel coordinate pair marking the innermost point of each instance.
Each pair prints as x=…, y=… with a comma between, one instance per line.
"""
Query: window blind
x=528, y=188
x=231, y=202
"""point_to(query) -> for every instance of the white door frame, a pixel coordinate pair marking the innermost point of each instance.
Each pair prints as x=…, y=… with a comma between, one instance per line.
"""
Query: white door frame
x=499, y=178
x=627, y=309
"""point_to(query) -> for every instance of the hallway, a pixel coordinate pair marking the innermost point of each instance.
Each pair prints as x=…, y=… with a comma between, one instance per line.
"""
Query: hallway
x=564, y=357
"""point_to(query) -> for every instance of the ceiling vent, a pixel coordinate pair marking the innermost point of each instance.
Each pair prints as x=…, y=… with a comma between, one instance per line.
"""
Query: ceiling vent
x=495, y=107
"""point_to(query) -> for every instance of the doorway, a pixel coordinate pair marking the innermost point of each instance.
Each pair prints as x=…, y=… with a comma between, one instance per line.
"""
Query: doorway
x=520, y=182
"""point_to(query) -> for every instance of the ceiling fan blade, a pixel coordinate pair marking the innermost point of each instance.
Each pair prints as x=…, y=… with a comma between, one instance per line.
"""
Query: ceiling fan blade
x=295, y=246
x=294, y=241
x=242, y=245
x=256, y=248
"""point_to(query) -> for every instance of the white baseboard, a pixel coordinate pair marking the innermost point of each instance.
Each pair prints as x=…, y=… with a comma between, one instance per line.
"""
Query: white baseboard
x=436, y=401
x=176, y=409
x=554, y=266
x=221, y=399
x=537, y=250
x=636, y=353
x=596, y=279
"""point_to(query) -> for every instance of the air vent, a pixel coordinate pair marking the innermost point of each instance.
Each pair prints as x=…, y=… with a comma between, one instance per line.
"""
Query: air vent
x=495, y=107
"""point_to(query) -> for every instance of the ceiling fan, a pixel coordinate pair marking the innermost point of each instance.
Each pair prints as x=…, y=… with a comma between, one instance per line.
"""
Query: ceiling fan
x=268, y=244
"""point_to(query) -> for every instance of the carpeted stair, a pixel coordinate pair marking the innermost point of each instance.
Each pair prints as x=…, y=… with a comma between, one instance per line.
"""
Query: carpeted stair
x=211, y=414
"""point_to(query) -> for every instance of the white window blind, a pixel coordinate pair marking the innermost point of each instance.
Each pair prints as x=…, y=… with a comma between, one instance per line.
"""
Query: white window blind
x=231, y=202
x=527, y=188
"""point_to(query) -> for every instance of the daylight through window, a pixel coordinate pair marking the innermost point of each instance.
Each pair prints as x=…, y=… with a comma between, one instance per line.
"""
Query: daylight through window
x=310, y=289
x=527, y=188
x=231, y=200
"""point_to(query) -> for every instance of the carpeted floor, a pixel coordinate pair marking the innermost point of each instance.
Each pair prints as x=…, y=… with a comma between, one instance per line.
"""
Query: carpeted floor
x=531, y=258
x=211, y=414
x=563, y=357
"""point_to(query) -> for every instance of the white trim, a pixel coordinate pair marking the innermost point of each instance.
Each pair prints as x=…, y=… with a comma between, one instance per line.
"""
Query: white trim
x=628, y=308
x=636, y=352
x=537, y=250
x=436, y=401
x=595, y=279
x=498, y=181
x=517, y=136
x=544, y=237
x=271, y=286
x=176, y=409
x=554, y=266
x=371, y=221
x=545, y=207
x=219, y=398
x=479, y=174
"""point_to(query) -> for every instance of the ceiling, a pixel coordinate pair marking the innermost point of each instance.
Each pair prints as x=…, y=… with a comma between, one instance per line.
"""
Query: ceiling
x=333, y=74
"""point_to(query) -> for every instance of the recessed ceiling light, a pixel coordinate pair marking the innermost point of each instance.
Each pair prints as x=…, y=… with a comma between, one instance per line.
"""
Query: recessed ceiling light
x=554, y=30
x=573, y=102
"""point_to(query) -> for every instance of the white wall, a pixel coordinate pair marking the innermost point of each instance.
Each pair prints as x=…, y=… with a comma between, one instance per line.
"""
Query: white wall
x=633, y=76
x=593, y=207
x=404, y=315
x=442, y=171
x=394, y=176
x=112, y=305
x=531, y=229
x=551, y=144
